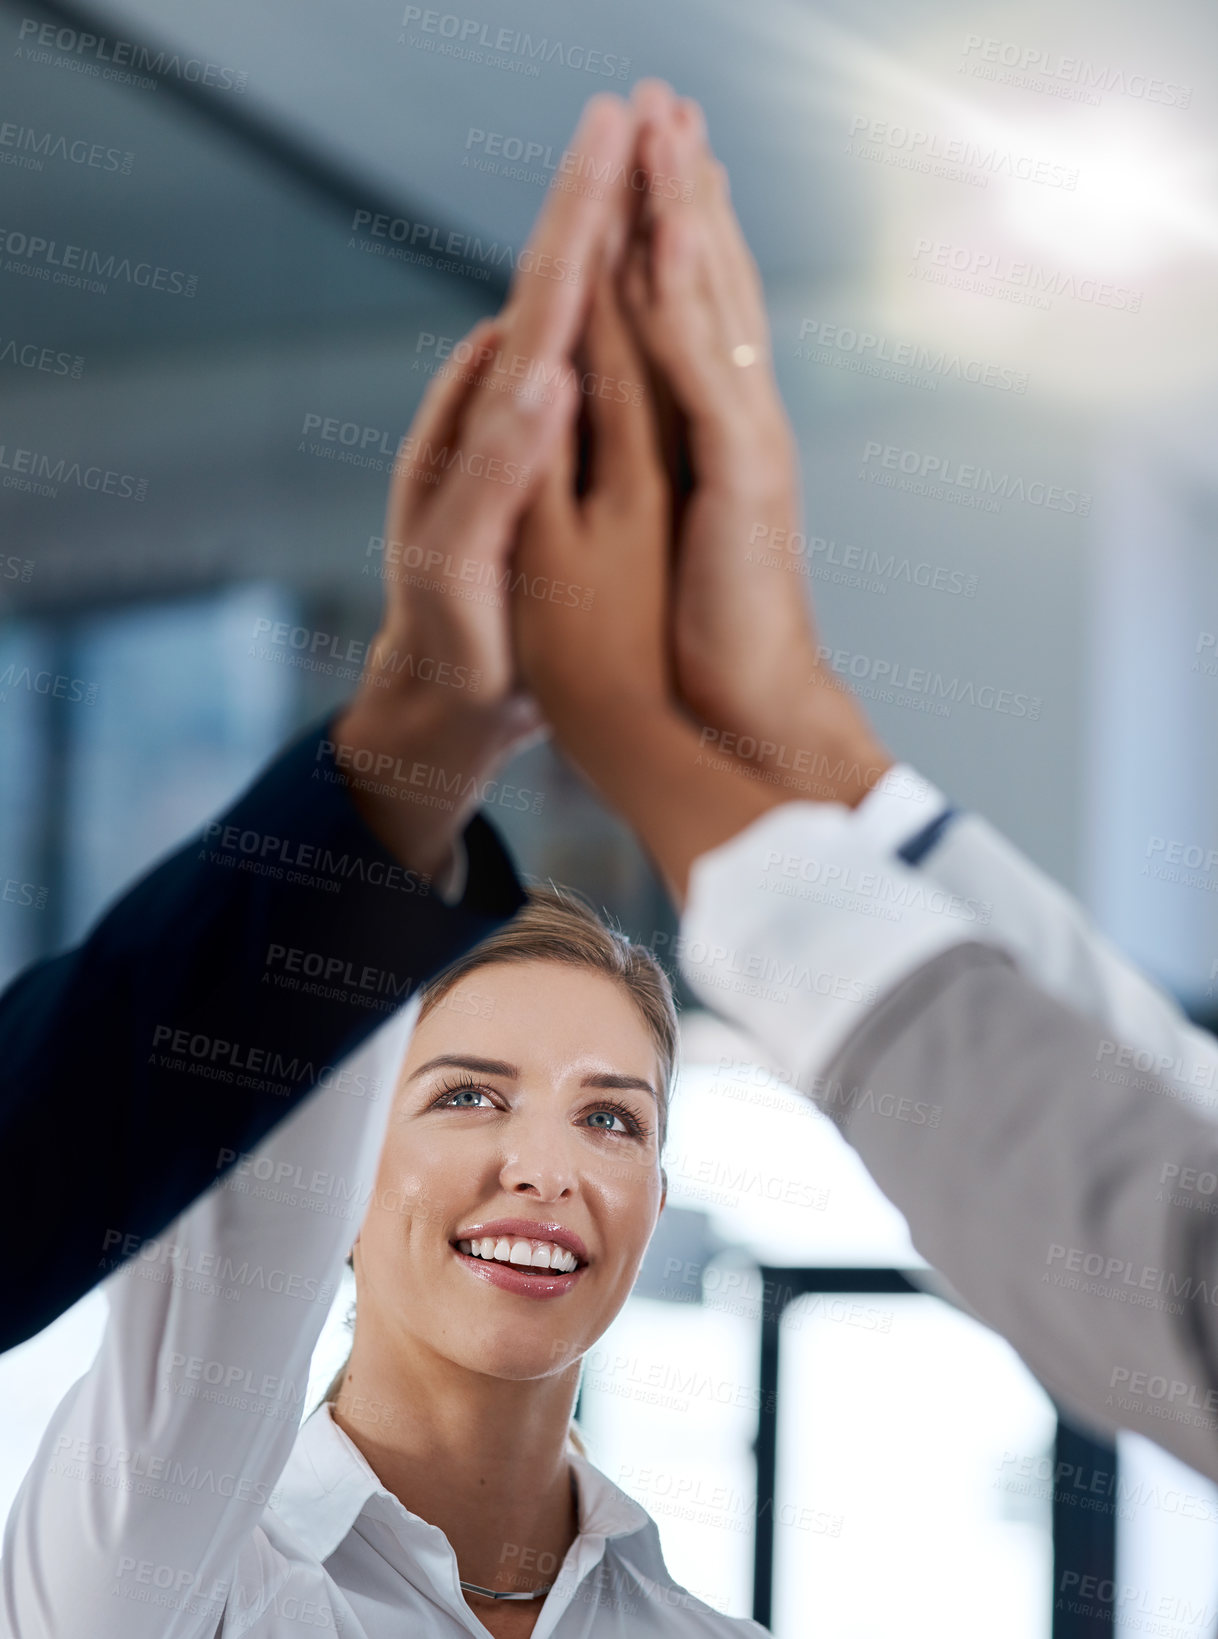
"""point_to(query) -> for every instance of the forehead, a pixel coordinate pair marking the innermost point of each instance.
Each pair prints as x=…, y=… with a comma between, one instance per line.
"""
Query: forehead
x=539, y=1015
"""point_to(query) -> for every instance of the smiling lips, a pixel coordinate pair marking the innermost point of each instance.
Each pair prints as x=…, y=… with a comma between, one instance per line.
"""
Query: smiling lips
x=521, y=1253
x=531, y=1265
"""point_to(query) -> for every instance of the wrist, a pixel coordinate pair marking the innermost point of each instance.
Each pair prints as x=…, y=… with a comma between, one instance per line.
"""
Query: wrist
x=413, y=763
x=647, y=762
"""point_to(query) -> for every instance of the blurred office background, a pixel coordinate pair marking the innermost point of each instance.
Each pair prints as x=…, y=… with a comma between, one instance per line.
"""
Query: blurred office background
x=988, y=238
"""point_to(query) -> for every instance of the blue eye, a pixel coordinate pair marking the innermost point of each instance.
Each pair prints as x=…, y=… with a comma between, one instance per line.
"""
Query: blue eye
x=631, y=1127
x=462, y=1093
x=457, y=1090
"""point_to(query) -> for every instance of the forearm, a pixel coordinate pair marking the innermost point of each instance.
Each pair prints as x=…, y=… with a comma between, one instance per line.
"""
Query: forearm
x=397, y=748
x=649, y=765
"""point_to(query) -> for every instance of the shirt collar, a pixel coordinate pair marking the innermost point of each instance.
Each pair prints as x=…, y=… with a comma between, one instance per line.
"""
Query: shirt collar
x=327, y=1483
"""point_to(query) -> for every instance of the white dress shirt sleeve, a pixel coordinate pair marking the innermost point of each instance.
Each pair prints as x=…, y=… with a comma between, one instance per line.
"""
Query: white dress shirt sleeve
x=1050, y=936
x=158, y=1463
x=797, y=925
x=1064, y=1199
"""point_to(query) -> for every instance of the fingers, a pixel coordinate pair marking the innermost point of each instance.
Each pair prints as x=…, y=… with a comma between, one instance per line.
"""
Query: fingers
x=434, y=428
x=666, y=288
x=624, y=433
x=550, y=291
x=551, y=523
x=508, y=435
x=503, y=447
x=696, y=300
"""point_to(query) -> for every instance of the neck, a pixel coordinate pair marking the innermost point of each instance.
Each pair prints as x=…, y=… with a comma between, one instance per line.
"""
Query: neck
x=484, y=1458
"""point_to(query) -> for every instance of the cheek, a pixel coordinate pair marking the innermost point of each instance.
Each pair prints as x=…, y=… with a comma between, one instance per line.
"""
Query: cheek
x=430, y=1178
x=630, y=1204
x=410, y=1186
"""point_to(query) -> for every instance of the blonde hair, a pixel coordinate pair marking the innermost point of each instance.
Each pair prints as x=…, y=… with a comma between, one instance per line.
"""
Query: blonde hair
x=558, y=925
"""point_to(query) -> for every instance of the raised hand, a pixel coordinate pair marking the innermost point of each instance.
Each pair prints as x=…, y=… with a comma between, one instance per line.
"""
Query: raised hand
x=439, y=690
x=744, y=644
x=599, y=663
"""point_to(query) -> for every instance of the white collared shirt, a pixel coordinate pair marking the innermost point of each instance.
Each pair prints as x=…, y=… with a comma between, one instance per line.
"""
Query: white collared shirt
x=174, y=1495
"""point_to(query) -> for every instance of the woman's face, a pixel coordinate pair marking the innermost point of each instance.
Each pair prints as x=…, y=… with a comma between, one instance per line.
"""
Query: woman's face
x=526, y=1111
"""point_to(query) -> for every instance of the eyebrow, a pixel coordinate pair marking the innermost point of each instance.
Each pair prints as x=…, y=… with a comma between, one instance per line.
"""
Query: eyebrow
x=499, y=1067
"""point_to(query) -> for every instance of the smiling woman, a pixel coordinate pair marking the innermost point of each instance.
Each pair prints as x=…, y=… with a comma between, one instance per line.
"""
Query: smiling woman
x=582, y=957
x=518, y=1188
x=504, y=1195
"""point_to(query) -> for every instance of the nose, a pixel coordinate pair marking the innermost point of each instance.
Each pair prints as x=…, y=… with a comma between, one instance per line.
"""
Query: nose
x=538, y=1164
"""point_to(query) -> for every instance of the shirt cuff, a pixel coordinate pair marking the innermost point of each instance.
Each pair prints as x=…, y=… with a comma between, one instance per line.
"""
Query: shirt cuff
x=449, y=882
x=795, y=927
x=900, y=807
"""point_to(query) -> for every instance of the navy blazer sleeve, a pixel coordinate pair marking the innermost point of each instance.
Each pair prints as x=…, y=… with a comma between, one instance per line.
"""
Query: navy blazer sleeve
x=198, y=1012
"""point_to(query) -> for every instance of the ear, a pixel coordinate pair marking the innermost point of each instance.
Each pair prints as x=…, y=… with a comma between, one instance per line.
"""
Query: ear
x=663, y=1190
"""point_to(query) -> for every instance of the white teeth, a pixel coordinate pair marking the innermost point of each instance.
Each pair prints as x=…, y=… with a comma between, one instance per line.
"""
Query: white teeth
x=533, y=1254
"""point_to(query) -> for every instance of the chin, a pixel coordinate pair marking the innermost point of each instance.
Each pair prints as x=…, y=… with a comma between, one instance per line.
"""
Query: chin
x=520, y=1351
